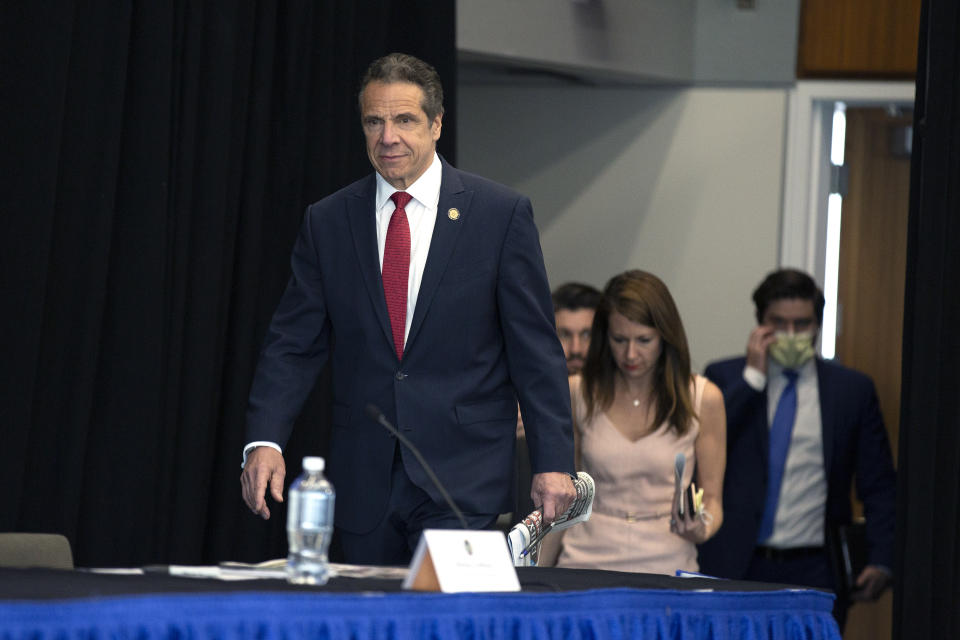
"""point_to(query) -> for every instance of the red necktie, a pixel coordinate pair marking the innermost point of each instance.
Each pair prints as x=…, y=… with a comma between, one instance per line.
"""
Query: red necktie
x=396, y=269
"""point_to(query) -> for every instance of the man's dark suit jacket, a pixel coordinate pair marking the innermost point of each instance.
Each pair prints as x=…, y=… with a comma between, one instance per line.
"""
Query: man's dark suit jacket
x=855, y=444
x=482, y=337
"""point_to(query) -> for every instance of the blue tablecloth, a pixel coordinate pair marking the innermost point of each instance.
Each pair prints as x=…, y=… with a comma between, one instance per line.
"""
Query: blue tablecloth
x=599, y=614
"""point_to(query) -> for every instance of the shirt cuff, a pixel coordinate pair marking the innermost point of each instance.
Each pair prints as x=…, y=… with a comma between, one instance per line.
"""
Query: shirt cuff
x=259, y=443
x=755, y=378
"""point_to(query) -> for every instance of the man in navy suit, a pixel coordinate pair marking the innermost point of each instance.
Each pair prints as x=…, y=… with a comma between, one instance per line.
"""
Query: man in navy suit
x=834, y=433
x=425, y=288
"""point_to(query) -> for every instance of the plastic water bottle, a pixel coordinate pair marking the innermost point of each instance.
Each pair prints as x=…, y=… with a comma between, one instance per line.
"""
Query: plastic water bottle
x=309, y=524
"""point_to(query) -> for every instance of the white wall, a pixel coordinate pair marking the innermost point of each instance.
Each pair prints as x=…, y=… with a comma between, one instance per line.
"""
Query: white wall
x=614, y=38
x=746, y=46
x=685, y=183
x=678, y=41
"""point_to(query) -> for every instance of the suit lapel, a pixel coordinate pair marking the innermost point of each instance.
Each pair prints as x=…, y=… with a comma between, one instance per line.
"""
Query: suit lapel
x=444, y=239
x=363, y=227
x=827, y=412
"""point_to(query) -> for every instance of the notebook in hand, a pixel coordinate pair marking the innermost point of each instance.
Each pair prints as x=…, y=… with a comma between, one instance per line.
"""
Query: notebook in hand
x=848, y=550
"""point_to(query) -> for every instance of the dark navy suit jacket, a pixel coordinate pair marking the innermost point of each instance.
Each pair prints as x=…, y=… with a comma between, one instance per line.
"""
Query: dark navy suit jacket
x=855, y=445
x=482, y=337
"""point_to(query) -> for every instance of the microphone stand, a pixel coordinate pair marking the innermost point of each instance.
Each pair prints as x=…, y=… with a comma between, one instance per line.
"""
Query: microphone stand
x=374, y=413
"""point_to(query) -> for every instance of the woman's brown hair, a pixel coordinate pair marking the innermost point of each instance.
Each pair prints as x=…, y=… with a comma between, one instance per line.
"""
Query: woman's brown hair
x=641, y=297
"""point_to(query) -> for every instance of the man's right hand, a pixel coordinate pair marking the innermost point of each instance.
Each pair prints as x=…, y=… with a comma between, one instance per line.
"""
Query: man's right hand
x=264, y=468
x=760, y=338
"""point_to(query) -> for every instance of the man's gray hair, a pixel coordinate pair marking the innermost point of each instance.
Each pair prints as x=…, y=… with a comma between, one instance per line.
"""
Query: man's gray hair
x=401, y=67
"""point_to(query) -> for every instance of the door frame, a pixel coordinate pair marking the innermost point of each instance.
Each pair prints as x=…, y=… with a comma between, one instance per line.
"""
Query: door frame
x=806, y=182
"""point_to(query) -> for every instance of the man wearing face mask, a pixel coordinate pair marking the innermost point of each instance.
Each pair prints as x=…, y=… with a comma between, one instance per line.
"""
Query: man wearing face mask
x=799, y=430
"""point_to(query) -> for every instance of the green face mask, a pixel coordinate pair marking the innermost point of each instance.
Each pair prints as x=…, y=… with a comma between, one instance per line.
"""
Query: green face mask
x=792, y=350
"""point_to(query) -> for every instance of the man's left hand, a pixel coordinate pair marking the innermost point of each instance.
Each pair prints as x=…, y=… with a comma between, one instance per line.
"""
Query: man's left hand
x=554, y=490
x=871, y=583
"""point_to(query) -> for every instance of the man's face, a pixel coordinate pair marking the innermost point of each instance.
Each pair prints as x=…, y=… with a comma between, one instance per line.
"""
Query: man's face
x=573, y=327
x=792, y=315
x=400, y=138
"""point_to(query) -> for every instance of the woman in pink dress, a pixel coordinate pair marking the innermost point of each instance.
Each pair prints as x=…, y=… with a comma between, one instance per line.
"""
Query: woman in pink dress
x=636, y=407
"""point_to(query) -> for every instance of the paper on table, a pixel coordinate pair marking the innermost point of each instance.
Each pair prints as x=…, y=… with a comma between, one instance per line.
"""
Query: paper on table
x=268, y=570
x=336, y=569
x=226, y=573
x=116, y=571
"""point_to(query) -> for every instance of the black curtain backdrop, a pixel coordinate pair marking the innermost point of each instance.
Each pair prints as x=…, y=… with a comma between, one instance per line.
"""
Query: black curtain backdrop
x=156, y=160
x=927, y=588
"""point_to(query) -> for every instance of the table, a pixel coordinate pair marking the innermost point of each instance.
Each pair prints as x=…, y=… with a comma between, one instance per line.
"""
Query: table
x=556, y=604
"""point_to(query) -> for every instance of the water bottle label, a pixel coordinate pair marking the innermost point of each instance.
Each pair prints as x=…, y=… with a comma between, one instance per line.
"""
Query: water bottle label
x=313, y=514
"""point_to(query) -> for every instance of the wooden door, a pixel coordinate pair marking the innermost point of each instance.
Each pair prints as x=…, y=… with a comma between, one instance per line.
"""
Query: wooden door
x=870, y=291
x=858, y=38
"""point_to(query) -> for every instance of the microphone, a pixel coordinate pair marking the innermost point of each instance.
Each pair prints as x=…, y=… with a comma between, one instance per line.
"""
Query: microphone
x=374, y=413
x=525, y=536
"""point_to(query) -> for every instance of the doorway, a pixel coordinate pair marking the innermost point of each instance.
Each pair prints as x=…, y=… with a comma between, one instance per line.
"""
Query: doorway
x=869, y=196
x=870, y=283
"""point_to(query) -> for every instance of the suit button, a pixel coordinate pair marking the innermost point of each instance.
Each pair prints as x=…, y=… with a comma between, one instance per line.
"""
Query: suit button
x=400, y=375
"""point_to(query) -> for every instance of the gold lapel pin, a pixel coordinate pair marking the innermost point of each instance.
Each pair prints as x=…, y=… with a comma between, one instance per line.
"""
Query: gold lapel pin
x=453, y=214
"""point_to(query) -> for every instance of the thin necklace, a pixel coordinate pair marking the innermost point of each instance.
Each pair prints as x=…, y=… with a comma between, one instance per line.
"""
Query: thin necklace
x=635, y=401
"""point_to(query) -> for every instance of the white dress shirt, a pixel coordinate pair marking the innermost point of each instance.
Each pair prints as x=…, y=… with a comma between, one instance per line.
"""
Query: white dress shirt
x=421, y=216
x=801, y=509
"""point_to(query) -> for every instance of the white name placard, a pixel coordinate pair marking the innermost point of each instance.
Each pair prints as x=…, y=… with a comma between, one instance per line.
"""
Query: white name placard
x=452, y=561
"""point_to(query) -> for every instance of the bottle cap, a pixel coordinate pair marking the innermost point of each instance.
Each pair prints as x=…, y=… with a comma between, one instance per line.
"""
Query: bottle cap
x=313, y=463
